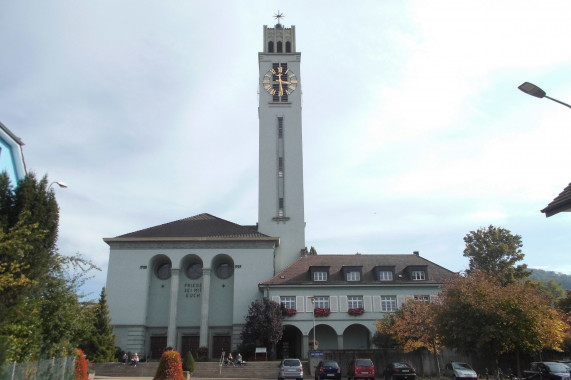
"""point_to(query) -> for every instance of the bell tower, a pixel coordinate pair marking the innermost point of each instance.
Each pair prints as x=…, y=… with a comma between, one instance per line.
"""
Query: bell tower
x=280, y=198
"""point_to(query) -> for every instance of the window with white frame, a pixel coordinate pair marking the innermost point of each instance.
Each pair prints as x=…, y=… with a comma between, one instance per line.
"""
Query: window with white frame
x=320, y=276
x=385, y=275
x=422, y=297
x=388, y=303
x=288, y=302
x=355, y=302
x=353, y=276
x=321, y=302
x=417, y=275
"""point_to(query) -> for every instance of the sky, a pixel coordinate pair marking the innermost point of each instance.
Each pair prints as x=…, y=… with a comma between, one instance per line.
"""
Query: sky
x=415, y=132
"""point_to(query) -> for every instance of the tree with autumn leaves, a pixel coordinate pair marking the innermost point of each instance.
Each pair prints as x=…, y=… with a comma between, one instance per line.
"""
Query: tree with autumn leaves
x=413, y=327
x=493, y=309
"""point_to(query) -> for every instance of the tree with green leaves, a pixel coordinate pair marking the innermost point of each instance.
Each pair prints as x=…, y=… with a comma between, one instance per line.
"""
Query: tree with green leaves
x=99, y=344
x=42, y=315
x=480, y=315
x=263, y=325
x=495, y=250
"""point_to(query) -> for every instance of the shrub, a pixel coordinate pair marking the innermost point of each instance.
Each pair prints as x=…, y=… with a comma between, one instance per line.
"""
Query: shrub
x=188, y=362
x=356, y=311
x=80, y=365
x=202, y=354
x=170, y=367
x=321, y=312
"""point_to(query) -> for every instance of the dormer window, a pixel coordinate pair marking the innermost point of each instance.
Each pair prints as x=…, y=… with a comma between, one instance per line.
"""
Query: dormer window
x=352, y=273
x=416, y=272
x=385, y=272
x=320, y=276
x=353, y=276
x=385, y=275
x=319, y=273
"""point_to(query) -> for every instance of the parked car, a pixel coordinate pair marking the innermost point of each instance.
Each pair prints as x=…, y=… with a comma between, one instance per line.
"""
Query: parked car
x=399, y=371
x=328, y=369
x=547, y=371
x=290, y=369
x=361, y=369
x=567, y=363
x=459, y=370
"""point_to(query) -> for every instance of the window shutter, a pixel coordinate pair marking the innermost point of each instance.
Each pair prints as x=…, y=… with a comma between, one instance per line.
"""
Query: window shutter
x=299, y=303
x=400, y=301
x=343, y=307
x=333, y=304
x=376, y=304
x=276, y=299
x=367, y=303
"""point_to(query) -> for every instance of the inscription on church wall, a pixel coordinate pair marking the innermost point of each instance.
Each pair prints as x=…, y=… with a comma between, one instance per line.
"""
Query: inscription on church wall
x=192, y=289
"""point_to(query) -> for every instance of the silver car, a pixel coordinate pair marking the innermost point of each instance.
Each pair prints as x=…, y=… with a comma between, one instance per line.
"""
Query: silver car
x=290, y=369
x=458, y=370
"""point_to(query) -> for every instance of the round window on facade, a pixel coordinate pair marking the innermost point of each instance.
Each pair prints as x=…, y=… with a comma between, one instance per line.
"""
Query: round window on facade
x=224, y=270
x=194, y=271
x=164, y=271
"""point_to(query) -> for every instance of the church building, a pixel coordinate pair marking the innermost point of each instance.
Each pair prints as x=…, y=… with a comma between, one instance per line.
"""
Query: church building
x=189, y=283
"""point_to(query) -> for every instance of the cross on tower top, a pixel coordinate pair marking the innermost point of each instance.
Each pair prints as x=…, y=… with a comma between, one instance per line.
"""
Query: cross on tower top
x=278, y=16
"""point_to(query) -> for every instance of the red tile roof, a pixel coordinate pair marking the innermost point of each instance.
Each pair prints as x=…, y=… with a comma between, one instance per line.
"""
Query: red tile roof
x=298, y=273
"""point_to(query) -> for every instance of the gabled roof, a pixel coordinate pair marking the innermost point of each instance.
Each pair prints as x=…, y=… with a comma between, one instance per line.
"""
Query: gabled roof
x=12, y=135
x=298, y=273
x=561, y=203
x=201, y=226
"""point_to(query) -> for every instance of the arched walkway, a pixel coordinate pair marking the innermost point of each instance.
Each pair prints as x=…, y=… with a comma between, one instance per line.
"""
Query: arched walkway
x=290, y=344
x=356, y=337
x=326, y=336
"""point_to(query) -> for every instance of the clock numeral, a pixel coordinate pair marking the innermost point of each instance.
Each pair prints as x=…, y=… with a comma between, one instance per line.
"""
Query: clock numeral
x=267, y=87
x=273, y=91
x=266, y=81
x=291, y=87
x=273, y=71
x=268, y=75
x=291, y=75
x=288, y=92
x=293, y=81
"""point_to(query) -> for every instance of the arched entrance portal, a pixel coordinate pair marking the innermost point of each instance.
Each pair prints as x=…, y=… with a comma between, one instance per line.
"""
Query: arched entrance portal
x=356, y=337
x=290, y=345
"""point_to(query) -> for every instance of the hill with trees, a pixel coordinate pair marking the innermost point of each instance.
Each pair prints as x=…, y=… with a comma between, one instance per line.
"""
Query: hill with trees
x=564, y=280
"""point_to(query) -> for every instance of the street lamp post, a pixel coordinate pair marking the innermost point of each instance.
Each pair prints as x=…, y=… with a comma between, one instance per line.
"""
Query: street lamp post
x=533, y=90
x=60, y=184
x=313, y=304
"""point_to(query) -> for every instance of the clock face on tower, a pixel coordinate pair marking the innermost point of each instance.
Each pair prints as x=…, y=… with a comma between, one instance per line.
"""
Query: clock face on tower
x=280, y=82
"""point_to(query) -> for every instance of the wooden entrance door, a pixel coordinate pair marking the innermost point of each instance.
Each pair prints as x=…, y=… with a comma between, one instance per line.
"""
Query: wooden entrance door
x=158, y=345
x=220, y=343
x=190, y=343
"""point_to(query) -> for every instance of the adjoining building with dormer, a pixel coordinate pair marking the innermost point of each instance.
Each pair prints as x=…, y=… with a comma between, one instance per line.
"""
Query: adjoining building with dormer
x=189, y=283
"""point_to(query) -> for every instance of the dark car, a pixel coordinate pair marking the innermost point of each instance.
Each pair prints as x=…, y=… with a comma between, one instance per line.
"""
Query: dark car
x=328, y=369
x=459, y=370
x=361, y=369
x=399, y=371
x=548, y=371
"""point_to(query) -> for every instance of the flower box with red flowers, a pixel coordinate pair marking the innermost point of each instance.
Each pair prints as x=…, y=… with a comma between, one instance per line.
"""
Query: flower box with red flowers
x=356, y=311
x=320, y=312
x=289, y=312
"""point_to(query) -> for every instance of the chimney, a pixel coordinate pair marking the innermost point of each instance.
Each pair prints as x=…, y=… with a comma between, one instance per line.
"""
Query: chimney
x=415, y=253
